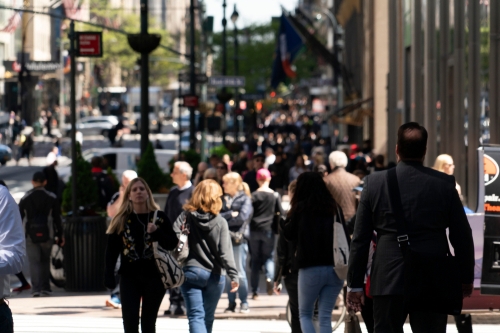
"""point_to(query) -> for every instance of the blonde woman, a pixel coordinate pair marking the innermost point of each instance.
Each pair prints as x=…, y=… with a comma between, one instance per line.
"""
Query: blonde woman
x=444, y=163
x=210, y=255
x=131, y=235
x=237, y=209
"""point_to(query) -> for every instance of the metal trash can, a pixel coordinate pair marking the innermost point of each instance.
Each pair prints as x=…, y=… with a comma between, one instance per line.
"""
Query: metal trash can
x=84, y=253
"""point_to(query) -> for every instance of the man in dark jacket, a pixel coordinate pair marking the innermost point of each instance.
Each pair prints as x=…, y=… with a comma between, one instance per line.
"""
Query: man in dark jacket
x=251, y=177
x=178, y=197
x=41, y=210
x=103, y=182
x=430, y=205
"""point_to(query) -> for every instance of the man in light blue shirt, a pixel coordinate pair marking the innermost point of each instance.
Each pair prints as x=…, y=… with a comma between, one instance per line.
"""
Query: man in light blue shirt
x=12, y=253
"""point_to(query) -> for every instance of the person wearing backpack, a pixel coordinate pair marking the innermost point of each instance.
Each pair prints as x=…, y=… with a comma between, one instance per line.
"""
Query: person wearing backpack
x=103, y=181
x=41, y=213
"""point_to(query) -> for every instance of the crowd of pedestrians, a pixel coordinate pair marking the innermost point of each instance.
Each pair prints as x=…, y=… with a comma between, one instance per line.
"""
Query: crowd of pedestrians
x=230, y=213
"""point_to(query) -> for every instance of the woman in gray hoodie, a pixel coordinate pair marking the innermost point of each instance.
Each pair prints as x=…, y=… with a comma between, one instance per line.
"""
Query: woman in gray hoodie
x=210, y=255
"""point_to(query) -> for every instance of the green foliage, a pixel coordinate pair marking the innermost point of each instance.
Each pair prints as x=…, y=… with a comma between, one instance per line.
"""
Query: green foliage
x=149, y=170
x=257, y=45
x=117, y=54
x=114, y=179
x=220, y=151
x=87, y=189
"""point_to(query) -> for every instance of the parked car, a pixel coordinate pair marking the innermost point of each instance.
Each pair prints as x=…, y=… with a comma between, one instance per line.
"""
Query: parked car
x=119, y=159
x=100, y=125
x=5, y=154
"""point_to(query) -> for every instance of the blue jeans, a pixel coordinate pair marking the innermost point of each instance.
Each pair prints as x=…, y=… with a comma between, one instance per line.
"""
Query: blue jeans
x=240, y=253
x=262, y=248
x=318, y=282
x=202, y=291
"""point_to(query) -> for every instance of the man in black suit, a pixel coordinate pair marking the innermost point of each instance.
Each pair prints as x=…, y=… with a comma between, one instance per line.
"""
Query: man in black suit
x=430, y=205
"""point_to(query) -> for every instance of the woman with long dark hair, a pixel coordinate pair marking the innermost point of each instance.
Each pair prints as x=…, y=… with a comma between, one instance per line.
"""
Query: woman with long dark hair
x=131, y=235
x=310, y=226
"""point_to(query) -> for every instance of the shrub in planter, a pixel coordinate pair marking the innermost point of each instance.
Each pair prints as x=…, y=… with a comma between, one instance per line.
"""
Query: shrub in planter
x=86, y=187
x=150, y=171
x=220, y=151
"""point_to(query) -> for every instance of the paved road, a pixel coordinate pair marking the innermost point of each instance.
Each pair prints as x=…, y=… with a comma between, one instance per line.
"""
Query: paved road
x=60, y=324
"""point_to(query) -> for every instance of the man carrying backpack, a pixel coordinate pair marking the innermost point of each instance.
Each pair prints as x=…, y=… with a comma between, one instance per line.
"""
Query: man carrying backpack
x=41, y=211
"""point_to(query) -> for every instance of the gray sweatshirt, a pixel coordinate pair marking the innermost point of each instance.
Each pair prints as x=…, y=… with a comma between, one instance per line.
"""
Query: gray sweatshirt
x=209, y=243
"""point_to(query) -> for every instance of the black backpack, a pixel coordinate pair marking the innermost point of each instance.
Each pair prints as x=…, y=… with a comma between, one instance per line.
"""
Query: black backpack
x=38, y=229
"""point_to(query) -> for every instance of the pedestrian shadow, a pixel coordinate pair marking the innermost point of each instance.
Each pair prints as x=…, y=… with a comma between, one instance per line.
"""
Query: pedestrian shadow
x=56, y=313
x=71, y=307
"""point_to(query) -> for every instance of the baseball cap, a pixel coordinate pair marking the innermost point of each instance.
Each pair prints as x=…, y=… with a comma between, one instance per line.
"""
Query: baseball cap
x=39, y=177
x=263, y=174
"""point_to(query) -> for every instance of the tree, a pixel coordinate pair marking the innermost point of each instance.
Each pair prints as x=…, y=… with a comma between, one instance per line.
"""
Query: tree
x=257, y=45
x=148, y=169
x=118, y=58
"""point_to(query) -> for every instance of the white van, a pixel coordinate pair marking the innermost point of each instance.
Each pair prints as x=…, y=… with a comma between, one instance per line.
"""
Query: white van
x=120, y=159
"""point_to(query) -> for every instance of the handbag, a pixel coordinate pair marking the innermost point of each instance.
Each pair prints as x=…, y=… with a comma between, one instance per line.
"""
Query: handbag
x=432, y=282
x=352, y=324
x=341, y=245
x=277, y=214
x=182, y=250
x=170, y=271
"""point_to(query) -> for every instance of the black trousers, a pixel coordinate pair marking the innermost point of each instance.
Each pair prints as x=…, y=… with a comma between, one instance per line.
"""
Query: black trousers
x=389, y=313
x=367, y=313
x=291, y=284
x=132, y=288
x=176, y=297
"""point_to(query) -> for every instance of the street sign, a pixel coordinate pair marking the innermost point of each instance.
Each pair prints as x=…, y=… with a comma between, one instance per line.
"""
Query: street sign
x=252, y=97
x=89, y=44
x=200, y=78
x=227, y=81
x=190, y=101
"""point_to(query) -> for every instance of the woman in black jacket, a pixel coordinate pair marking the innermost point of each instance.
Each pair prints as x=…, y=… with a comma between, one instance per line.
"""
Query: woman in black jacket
x=131, y=235
x=237, y=210
x=310, y=227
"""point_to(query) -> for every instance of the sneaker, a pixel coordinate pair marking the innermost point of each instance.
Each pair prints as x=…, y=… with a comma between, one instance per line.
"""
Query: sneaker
x=36, y=294
x=170, y=310
x=255, y=296
x=244, y=308
x=179, y=311
x=46, y=293
x=269, y=287
x=21, y=288
x=114, y=302
x=231, y=308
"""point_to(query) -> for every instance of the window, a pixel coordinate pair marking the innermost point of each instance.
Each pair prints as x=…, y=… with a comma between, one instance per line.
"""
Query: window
x=109, y=161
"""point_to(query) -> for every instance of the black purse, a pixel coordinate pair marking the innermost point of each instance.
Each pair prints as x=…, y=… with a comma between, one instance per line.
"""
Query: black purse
x=432, y=282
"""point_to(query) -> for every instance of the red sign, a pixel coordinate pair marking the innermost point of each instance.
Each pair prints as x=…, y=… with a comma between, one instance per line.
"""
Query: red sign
x=89, y=44
x=191, y=101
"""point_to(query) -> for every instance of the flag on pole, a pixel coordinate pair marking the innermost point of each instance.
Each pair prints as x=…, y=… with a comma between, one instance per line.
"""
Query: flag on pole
x=13, y=23
x=288, y=47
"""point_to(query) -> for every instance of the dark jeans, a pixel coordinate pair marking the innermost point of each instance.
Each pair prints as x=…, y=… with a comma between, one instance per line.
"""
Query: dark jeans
x=292, y=287
x=6, y=321
x=202, y=291
x=262, y=248
x=389, y=313
x=176, y=297
x=132, y=288
x=39, y=258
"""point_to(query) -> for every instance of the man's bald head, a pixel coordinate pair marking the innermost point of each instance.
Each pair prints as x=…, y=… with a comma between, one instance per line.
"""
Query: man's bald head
x=127, y=176
x=412, y=141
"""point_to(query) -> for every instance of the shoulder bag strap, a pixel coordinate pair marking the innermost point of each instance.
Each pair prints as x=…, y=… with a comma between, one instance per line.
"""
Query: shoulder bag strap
x=154, y=216
x=397, y=208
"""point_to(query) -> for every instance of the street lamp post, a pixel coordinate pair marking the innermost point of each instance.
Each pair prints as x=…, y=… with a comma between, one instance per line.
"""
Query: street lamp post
x=234, y=18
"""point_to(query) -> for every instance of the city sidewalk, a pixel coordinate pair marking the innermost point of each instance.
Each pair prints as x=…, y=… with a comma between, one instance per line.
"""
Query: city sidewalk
x=93, y=305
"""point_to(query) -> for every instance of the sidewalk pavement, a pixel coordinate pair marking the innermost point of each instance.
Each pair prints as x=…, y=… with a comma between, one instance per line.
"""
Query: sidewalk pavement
x=72, y=304
x=93, y=305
